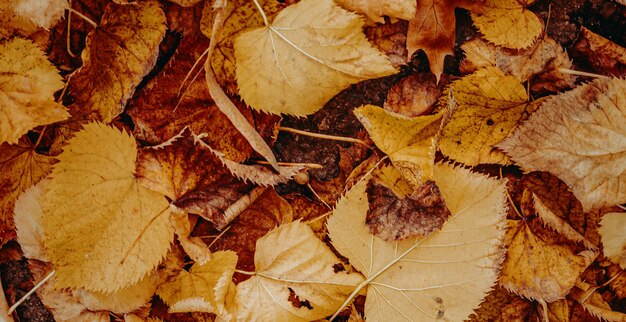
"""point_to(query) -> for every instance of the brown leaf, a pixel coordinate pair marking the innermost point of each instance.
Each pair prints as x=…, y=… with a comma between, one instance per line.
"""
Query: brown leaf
x=501, y=305
x=433, y=27
x=390, y=38
x=419, y=214
x=606, y=57
x=414, y=95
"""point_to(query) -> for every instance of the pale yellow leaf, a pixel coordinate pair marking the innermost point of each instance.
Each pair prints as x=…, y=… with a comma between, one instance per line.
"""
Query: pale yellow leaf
x=197, y=250
x=613, y=232
x=28, y=82
x=581, y=140
x=45, y=13
x=441, y=276
x=309, y=53
x=104, y=231
x=204, y=288
x=290, y=257
x=376, y=9
x=28, y=213
x=508, y=23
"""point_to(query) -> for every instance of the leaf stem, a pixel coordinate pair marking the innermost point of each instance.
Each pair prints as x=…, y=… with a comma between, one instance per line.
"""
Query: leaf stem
x=245, y=272
x=27, y=295
x=69, y=25
x=258, y=6
x=324, y=136
x=87, y=19
x=579, y=73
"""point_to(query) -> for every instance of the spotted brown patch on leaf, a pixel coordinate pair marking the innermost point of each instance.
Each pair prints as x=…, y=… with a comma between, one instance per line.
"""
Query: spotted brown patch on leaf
x=419, y=214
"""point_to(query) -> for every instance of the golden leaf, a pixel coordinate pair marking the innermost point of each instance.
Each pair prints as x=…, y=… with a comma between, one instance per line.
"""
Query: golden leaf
x=104, y=231
x=204, y=288
x=28, y=213
x=291, y=259
x=538, y=267
x=613, y=237
x=126, y=43
x=376, y=9
x=12, y=25
x=441, y=276
x=581, y=141
x=490, y=105
x=28, y=82
x=311, y=51
x=197, y=250
x=508, y=23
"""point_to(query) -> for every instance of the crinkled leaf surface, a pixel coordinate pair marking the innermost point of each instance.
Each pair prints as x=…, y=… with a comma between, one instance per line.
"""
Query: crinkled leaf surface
x=291, y=258
x=613, y=237
x=310, y=52
x=376, y=9
x=103, y=230
x=28, y=82
x=490, y=106
x=117, y=56
x=509, y=23
x=579, y=137
x=441, y=276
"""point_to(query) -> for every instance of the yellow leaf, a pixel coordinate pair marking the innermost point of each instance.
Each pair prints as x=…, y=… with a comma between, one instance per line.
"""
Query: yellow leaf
x=407, y=141
x=104, y=231
x=539, y=268
x=28, y=82
x=126, y=43
x=203, y=288
x=490, y=105
x=582, y=141
x=508, y=23
x=613, y=237
x=376, y=9
x=444, y=275
x=311, y=52
x=28, y=213
x=291, y=259
x=197, y=250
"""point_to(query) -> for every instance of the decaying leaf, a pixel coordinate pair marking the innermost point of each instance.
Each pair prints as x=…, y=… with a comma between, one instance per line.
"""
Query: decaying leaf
x=28, y=82
x=393, y=218
x=103, y=230
x=613, y=237
x=12, y=25
x=390, y=39
x=490, y=105
x=291, y=259
x=45, y=13
x=607, y=57
x=442, y=276
x=203, y=288
x=407, y=141
x=501, y=305
x=586, y=295
x=509, y=23
x=578, y=136
x=414, y=95
x=28, y=213
x=310, y=52
x=432, y=29
x=539, y=268
x=20, y=168
x=197, y=250
x=376, y=9
x=117, y=55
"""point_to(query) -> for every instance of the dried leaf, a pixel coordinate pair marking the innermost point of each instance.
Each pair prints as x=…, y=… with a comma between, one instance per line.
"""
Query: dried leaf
x=45, y=13
x=291, y=259
x=567, y=145
x=501, y=305
x=204, y=288
x=295, y=65
x=613, y=237
x=390, y=39
x=442, y=276
x=104, y=231
x=595, y=304
x=28, y=82
x=540, y=268
x=12, y=25
x=418, y=215
x=197, y=250
x=606, y=57
x=509, y=23
x=28, y=213
x=490, y=105
x=413, y=96
x=126, y=43
x=376, y=9
x=433, y=29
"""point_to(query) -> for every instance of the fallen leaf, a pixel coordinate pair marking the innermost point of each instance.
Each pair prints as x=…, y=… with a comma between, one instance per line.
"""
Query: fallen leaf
x=20, y=167
x=508, y=23
x=501, y=305
x=296, y=64
x=125, y=43
x=28, y=213
x=442, y=276
x=538, y=267
x=593, y=303
x=606, y=57
x=103, y=230
x=417, y=215
x=197, y=250
x=567, y=146
x=203, y=288
x=613, y=237
x=376, y=9
x=291, y=259
x=12, y=25
x=414, y=95
x=407, y=141
x=433, y=30
x=390, y=39
x=45, y=13
x=490, y=106
x=618, y=281
x=28, y=82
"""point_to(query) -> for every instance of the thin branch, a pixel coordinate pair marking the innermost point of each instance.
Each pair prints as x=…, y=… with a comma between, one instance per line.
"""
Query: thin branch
x=91, y=22
x=69, y=24
x=579, y=73
x=245, y=272
x=220, y=235
x=324, y=136
x=27, y=295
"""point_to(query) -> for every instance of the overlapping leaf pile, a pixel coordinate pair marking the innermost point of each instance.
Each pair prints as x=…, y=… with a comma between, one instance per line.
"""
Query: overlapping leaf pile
x=134, y=184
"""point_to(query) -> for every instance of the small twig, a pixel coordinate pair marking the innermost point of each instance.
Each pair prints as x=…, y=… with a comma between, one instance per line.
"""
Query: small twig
x=220, y=235
x=27, y=295
x=318, y=196
x=579, y=73
x=245, y=272
x=258, y=6
x=322, y=216
x=43, y=131
x=91, y=22
x=69, y=28
x=195, y=64
x=324, y=136
x=544, y=305
x=622, y=207
x=290, y=164
x=508, y=196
